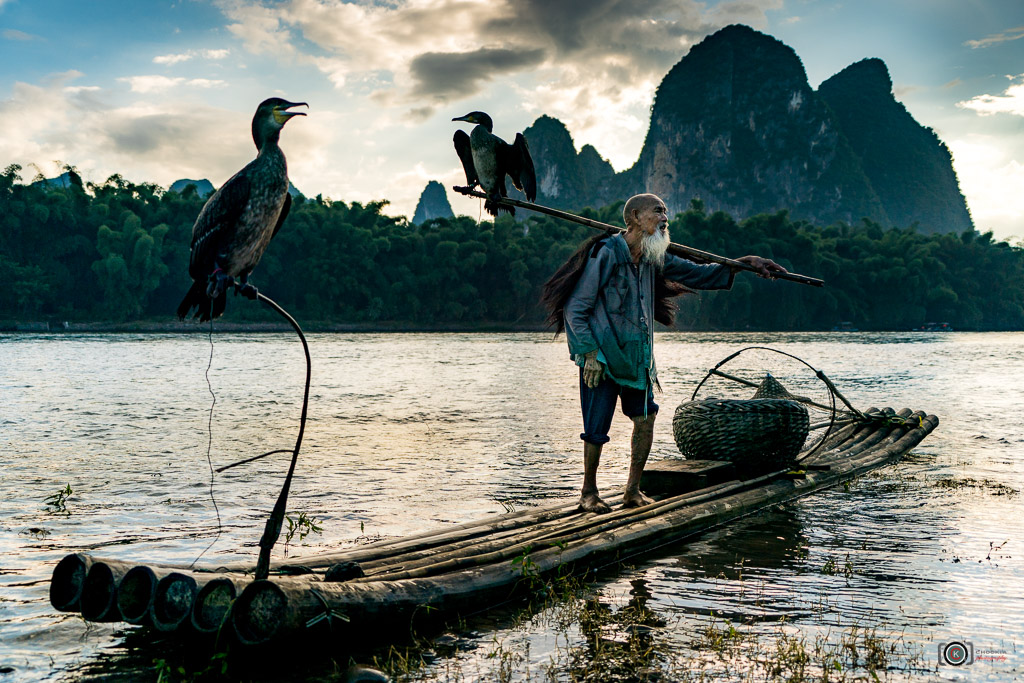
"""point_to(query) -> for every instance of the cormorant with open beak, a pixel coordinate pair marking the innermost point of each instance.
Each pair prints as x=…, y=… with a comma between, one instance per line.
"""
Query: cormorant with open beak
x=239, y=220
x=487, y=159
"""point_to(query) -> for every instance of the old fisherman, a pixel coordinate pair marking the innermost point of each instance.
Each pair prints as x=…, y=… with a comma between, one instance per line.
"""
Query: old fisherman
x=607, y=296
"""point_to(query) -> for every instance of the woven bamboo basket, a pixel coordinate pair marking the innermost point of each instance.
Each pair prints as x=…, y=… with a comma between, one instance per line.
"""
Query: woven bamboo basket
x=757, y=435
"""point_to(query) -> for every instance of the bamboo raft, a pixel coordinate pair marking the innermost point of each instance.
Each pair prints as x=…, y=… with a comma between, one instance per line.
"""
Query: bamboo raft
x=463, y=569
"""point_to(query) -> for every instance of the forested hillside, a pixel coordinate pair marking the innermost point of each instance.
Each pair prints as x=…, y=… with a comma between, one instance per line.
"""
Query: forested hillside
x=118, y=251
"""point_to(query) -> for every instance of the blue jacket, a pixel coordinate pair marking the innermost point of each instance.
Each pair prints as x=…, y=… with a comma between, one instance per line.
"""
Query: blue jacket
x=612, y=308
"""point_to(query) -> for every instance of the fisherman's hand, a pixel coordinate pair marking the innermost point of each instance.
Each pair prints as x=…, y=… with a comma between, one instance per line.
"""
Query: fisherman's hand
x=593, y=370
x=765, y=267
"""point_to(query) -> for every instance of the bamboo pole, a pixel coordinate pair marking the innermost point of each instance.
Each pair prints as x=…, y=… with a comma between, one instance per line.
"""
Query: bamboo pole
x=898, y=435
x=438, y=537
x=864, y=431
x=809, y=456
x=690, y=253
x=497, y=539
x=837, y=440
x=484, y=553
x=871, y=435
x=591, y=525
x=500, y=539
x=427, y=539
x=832, y=440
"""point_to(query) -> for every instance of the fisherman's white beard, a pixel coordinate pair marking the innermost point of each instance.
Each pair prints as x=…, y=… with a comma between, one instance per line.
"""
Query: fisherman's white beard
x=653, y=247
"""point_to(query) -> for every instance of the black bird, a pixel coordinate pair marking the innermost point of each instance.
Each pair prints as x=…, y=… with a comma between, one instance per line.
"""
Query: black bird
x=239, y=220
x=487, y=158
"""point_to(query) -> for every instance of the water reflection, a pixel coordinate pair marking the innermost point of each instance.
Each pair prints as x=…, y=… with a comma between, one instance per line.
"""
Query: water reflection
x=770, y=540
x=620, y=642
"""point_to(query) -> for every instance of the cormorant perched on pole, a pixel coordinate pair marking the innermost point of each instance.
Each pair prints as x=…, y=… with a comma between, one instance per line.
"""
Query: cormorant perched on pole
x=239, y=220
x=487, y=158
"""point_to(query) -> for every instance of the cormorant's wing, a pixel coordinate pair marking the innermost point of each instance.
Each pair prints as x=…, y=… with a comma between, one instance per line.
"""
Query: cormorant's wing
x=465, y=152
x=284, y=213
x=216, y=224
x=517, y=162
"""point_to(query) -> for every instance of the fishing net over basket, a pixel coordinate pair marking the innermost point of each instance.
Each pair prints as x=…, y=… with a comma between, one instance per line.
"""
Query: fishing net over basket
x=759, y=434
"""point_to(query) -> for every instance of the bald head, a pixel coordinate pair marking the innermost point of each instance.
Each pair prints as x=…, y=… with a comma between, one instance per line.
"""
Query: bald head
x=646, y=228
x=636, y=205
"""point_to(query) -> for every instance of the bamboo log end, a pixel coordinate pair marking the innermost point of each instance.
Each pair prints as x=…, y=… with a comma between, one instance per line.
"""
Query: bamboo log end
x=99, y=593
x=67, y=582
x=212, y=605
x=172, y=601
x=258, y=612
x=135, y=594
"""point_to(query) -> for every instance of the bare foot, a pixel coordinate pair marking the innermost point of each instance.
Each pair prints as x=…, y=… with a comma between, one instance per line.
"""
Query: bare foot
x=591, y=502
x=635, y=500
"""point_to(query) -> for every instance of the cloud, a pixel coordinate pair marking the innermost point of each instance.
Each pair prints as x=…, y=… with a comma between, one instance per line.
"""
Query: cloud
x=450, y=49
x=750, y=12
x=398, y=64
x=991, y=180
x=144, y=141
x=78, y=89
x=259, y=27
x=452, y=74
x=156, y=84
x=1010, y=102
x=997, y=38
x=13, y=34
x=953, y=83
x=170, y=60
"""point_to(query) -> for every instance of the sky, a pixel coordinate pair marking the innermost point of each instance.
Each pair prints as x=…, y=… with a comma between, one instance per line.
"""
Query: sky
x=158, y=91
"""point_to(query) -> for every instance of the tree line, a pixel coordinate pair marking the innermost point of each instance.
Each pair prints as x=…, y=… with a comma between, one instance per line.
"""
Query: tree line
x=118, y=251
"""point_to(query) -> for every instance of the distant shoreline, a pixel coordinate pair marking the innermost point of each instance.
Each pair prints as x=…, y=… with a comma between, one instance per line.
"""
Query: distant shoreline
x=176, y=327
x=195, y=327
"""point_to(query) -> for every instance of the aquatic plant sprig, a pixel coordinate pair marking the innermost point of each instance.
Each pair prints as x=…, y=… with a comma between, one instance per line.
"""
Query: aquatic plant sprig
x=303, y=525
x=57, y=502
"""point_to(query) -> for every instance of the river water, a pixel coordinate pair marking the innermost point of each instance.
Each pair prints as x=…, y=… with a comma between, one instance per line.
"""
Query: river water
x=414, y=431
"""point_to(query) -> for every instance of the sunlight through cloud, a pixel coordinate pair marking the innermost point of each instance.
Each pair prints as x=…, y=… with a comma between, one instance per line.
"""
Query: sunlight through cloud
x=1010, y=102
x=154, y=84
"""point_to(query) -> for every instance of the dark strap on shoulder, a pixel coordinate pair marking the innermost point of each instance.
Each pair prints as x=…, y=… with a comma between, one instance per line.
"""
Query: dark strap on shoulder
x=597, y=246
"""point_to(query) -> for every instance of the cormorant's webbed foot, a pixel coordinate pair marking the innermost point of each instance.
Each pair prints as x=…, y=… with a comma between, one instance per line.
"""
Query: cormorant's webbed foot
x=247, y=290
x=219, y=283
